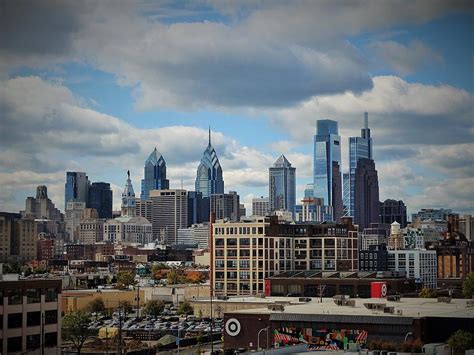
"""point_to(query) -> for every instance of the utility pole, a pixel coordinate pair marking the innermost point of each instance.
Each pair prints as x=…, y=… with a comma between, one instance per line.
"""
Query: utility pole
x=119, y=345
x=137, y=298
x=43, y=316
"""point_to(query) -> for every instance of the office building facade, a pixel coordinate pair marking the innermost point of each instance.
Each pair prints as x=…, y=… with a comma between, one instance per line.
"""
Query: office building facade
x=282, y=185
x=195, y=234
x=261, y=206
x=73, y=217
x=101, y=199
x=418, y=264
x=209, y=179
x=393, y=210
x=154, y=175
x=366, y=194
x=41, y=206
x=76, y=188
x=226, y=206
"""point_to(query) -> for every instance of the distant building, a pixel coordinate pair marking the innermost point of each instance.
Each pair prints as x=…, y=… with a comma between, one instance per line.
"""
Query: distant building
x=432, y=214
x=455, y=260
x=169, y=213
x=396, y=240
x=374, y=258
x=393, y=210
x=282, y=185
x=327, y=149
x=74, y=211
x=366, y=194
x=45, y=249
x=414, y=238
x=196, y=234
x=466, y=226
x=100, y=198
x=42, y=207
x=91, y=230
x=313, y=209
x=226, y=206
x=209, y=178
x=18, y=238
x=154, y=175
x=419, y=264
x=242, y=210
x=198, y=208
x=261, y=206
x=143, y=208
x=376, y=234
x=128, y=199
x=76, y=188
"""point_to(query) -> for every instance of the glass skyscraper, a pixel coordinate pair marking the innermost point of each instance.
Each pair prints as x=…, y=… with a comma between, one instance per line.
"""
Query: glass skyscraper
x=76, y=188
x=154, y=175
x=282, y=185
x=209, y=178
x=359, y=147
x=327, y=150
x=100, y=198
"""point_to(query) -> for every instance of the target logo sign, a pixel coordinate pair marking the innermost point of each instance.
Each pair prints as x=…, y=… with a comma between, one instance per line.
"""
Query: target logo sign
x=232, y=327
x=384, y=290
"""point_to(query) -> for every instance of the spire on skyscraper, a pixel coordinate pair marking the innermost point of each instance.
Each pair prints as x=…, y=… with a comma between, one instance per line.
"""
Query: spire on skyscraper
x=154, y=174
x=128, y=198
x=209, y=135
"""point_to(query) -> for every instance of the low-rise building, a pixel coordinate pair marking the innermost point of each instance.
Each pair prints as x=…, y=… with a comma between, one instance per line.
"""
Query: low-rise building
x=418, y=264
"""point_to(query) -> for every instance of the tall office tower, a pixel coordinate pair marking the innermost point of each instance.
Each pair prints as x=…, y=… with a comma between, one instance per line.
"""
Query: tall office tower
x=154, y=174
x=128, y=199
x=359, y=147
x=242, y=210
x=337, y=205
x=76, y=187
x=143, y=208
x=309, y=191
x=466, y=226
x=282, y=185
x=346, y=194
x=312, y=209
x=198, y=208
x=366, y=194
x=327, y=149
x=100, y=198
x=169, y=213
x=261, y=206
x=18, y=238
x=209, y=173
x=391, y=211
x=226, y=206
x=74, y=212
x=41, y=207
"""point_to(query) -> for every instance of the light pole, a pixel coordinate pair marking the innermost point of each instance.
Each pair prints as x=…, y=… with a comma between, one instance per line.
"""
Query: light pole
x=258, y=338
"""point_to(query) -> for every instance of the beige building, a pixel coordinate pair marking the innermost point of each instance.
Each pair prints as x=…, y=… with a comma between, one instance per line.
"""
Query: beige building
x=396, y=240
x=128, y=230
x=31, y=316
x=91, y=231
x=73, y=218
x=18, y=238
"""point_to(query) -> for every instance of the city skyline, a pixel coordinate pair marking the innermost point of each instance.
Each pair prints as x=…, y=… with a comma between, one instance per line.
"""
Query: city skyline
x=70, y=104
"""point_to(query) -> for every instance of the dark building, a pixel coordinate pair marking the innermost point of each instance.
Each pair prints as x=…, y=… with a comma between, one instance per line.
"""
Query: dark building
x=226, y=206
x=391, y=211
x=198, y=208
x=154, y=175
x=366, y=197
x=100, y=198
x=455, y=260
x=337, y=192
x=76, y=188
x=373, y=259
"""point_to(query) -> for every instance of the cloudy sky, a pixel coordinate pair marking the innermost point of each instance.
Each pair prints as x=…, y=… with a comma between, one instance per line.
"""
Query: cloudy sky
x=95, y=85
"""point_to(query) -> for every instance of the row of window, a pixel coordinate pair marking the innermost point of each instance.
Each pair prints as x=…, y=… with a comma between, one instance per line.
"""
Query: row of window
x=15, y=320
x=33, y=342
x=33, y=295
x=239, y=230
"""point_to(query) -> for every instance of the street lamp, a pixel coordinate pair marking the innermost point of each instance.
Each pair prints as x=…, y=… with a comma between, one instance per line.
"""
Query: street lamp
x=258, y=338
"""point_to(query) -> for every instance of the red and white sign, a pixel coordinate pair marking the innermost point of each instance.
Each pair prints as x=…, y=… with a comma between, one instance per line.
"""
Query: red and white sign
x=378, y=289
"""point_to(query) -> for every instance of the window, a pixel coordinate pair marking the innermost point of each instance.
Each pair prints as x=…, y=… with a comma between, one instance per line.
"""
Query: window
x=51, y=340
x=14, y=345
x=33, y=295
x=51, y=295
x=15, y=296
x=244, y=241
x=15, y=320
x=33, y=318
x=51, y=317
x=33, y=342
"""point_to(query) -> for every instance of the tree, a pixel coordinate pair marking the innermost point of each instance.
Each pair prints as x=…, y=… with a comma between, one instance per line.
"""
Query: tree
x=75, y=328
x=96, y=306
x=426, y=293
x=126, y=278
x=154, y=308
x=460, y=341
x=185, y=308
x=175, y=277
x=468, y=286
x=126, y=307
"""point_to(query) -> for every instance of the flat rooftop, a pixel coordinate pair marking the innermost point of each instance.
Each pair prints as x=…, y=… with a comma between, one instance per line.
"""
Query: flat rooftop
x=409, y=307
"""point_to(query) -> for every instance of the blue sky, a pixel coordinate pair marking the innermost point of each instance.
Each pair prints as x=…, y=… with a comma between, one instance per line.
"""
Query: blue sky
x=96, y=86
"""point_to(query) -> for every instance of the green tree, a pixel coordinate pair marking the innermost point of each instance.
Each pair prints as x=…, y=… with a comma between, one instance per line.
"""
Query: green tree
x=175, y=277
x=460, y=341
x=126, y=307
x=426, y=293
x=126, y=278
x=154, y=308
x=468, y=286
x=75, y=328
x=96, y=306
x=185, y=308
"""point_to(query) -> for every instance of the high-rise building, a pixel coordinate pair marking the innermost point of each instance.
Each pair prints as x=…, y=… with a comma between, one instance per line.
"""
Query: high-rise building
x=74, y=212
x=91, y=230
x=143, y=208
x=226, y=206
x=41, y=207
x=433, y=214
x=366, y=194
x=313, y=210
x=18, y=238
x=198, y=208
x=242, y=210
x=154, y=174
x=76, y=187
x=359, y=147
x=337, y=206
x=346, y=194
x=209, y=178
x=261, y=206
x=466, y=226
x=327, y=149
x=169, y=213
x=392, y=210
x=100, y=198
x=282, y=185
x=195, y=234
x=128, y=198
x=309, y=191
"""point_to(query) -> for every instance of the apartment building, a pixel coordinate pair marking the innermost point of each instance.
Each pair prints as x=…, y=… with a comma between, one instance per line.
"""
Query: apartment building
x=418, y=264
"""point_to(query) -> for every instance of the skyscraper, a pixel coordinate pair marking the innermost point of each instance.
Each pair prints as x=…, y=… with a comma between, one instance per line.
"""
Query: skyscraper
x=76, y=188
x=128, y=199
x=154, y=174
x=391, y=211
x=261, y=206
x=209, y=173
x=226, y=206
x=359, y=147
x=366, y=194
x=282, y=185
x=100, y=198
x=327, y=150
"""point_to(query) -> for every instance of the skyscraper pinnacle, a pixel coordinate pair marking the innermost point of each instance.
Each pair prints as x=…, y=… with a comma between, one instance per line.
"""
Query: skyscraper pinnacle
x=209, y=135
